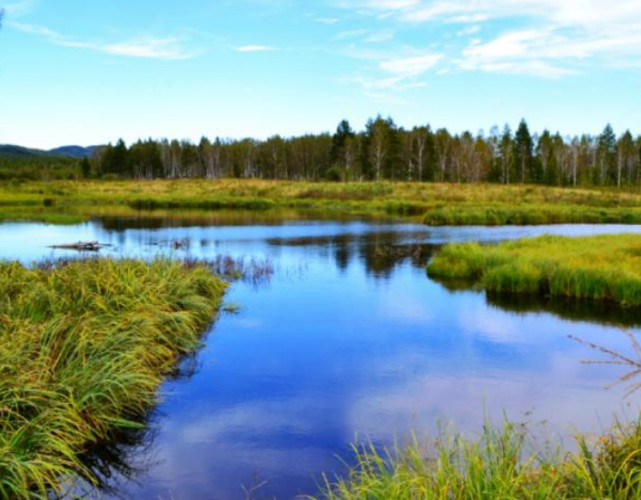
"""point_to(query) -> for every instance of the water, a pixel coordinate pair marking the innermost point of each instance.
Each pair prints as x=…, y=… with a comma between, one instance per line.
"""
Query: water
x=348, y=340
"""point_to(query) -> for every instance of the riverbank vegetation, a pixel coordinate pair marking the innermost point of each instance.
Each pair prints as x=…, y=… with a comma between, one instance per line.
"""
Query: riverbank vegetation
x=432, y=203
x=604, y=268
x=84, y=347
x=499, y=464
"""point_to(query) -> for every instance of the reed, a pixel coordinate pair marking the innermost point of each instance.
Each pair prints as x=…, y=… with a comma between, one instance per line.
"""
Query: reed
x=84, y=346
x=605, y=267
x=497, y=465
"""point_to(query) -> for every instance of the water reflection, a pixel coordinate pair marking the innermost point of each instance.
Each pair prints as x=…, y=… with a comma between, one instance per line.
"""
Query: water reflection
x=355, y=341
x=567, y=308
x=380, y=252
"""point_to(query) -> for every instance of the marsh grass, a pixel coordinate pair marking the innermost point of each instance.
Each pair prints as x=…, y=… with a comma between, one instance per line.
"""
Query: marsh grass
x=435, y=204
x=84, y=346
x=605, y=267
x=499, y=464
x=39, y=214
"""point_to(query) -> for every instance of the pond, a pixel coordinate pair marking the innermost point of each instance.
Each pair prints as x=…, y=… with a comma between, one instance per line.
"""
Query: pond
x=348, y=340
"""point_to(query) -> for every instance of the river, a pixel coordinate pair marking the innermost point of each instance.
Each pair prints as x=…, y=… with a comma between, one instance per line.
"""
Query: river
x=347, y=340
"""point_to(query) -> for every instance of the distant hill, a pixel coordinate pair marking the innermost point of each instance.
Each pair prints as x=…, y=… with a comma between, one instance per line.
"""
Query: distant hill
x=75, y=151
x=70, y=151
x=19, y=151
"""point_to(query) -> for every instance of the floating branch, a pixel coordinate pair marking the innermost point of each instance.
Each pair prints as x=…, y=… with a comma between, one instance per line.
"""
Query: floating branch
x=90, y=246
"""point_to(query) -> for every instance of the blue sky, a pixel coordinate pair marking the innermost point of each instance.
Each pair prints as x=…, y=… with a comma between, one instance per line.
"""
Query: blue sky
x=84, y=72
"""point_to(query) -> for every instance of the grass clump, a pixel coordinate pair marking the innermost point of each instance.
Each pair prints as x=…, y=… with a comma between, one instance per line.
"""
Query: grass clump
x=84, y=346
x=498, y=465
x=605, y=267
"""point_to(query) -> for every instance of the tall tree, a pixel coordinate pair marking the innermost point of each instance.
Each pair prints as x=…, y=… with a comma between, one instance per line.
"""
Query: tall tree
x=422, y=151
x=343, y=153
x=507, y=150
x=625, y=158
x=443, y=148
x=606, y=155
x=343, y=133
x=545, y=156
x=380, y=142
x=523, y=157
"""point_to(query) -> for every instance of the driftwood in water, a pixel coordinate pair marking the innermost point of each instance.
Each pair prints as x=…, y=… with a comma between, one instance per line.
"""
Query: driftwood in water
x=92, y=246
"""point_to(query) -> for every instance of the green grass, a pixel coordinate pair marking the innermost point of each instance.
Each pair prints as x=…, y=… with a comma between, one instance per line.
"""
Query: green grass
x=84, y=346
x=434, y=204
x=604, y=268
x=498, y=465
x=495, y=214
x=20, y=214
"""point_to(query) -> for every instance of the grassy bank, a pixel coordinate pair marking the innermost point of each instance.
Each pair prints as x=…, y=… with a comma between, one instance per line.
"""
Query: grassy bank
x=606, y=267
x=84, y=347
x=39, y=214
x=496, y=466
x=434, y=204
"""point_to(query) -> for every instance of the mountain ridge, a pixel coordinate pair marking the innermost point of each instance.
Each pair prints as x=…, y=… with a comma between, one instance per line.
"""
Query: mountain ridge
x=72, y=151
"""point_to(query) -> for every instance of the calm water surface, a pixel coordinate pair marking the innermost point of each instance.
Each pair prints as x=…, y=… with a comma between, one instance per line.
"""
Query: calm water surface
x=349, y=339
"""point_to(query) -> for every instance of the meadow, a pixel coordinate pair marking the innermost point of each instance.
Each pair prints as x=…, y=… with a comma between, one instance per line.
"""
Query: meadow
x=431, y=203
x=84, y=347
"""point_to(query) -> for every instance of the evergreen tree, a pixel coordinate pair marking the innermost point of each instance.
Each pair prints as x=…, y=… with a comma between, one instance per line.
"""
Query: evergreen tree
x=606, y=156
x=523, y=157
x=85, y=168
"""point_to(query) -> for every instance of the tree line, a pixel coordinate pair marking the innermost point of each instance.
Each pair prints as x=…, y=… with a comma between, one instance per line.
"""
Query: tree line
x=384, y=151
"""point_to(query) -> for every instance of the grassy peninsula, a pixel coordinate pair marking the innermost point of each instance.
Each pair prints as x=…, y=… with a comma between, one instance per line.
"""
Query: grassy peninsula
x=604, y=268
x=84, y=347
x=431, y=203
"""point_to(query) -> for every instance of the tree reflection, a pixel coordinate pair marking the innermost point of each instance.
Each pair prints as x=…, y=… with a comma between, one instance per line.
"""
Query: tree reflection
x=379, y=252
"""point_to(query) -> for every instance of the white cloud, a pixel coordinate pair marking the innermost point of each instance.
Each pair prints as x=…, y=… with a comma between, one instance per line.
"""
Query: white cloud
x=18, y=9
x=169, y=48
x=469, y=30
x=395, y=75
x=154, y=48
x=411, y=66
x=253, y=48
x=561, y=38
x=344, y=35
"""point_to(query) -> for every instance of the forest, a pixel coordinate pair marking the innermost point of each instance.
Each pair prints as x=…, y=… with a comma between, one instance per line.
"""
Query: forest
x=384, y=151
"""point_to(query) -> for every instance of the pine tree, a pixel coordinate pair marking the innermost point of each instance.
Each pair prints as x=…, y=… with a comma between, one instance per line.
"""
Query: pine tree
x=523, y=157
x=606, y=155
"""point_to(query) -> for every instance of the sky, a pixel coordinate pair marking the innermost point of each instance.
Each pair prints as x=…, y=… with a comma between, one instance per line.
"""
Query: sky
x=85, y=72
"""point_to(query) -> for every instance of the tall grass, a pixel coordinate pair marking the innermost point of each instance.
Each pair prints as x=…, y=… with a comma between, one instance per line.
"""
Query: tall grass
x=84, y=346
x=435, y=204
x=605, y=267
x=498, y=465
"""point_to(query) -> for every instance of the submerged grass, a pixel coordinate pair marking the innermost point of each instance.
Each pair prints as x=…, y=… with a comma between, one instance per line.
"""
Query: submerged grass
x=84, y=346
x=605, y=267
x=498, y=465
x=435, y=204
